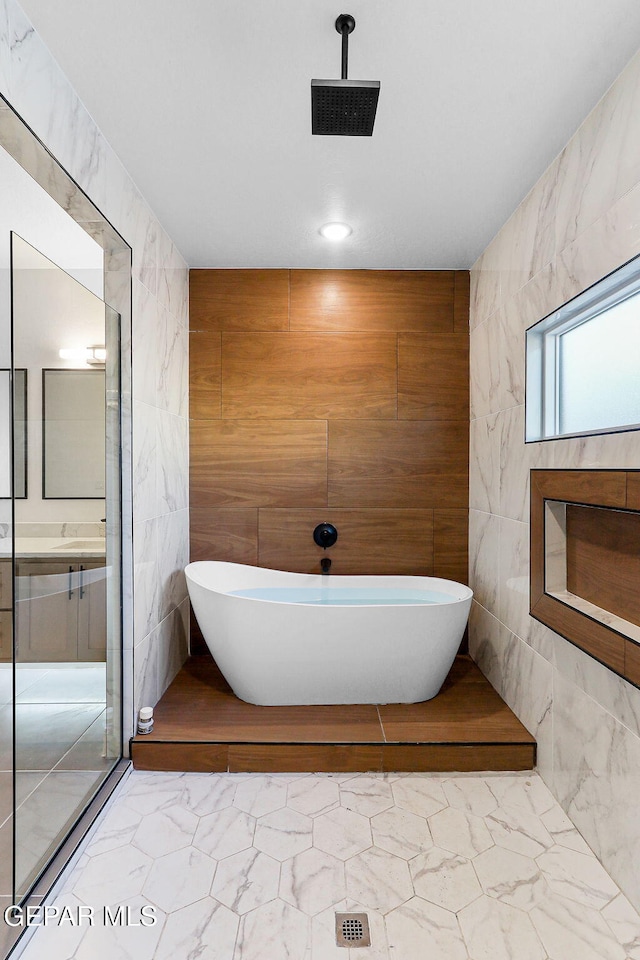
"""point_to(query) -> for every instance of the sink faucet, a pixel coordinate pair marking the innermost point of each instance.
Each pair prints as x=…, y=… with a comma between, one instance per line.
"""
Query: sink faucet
x=325, y=563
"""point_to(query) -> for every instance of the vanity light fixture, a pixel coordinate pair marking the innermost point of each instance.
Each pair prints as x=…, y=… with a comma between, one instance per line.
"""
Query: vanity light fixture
x=95, y=355
x=335, y=231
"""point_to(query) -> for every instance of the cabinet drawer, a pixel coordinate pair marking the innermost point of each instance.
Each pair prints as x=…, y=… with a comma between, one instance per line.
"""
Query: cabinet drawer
x=6, y=585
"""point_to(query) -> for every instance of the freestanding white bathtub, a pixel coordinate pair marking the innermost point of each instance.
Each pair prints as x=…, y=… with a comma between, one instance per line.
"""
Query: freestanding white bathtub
x=292, y=638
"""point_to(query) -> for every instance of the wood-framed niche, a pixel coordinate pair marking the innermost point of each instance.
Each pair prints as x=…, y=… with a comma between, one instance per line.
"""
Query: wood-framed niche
x=585, y=562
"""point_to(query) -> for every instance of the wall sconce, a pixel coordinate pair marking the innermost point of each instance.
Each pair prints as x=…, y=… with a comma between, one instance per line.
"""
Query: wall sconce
x=95, y=355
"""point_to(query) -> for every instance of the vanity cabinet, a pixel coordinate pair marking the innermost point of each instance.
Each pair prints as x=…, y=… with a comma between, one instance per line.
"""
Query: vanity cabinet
x=61, y=610
x=6, y=587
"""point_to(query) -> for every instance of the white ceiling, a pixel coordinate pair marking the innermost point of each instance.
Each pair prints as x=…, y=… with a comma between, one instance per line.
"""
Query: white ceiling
x=207, y=103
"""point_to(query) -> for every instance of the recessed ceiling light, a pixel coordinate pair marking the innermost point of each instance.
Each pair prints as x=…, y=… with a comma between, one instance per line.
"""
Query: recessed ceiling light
x=335, y=231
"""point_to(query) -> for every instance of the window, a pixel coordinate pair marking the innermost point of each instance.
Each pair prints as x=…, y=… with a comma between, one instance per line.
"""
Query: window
x=583, y=362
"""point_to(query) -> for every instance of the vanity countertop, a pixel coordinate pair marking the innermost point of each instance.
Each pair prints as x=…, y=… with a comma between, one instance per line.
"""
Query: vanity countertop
x=54, y=547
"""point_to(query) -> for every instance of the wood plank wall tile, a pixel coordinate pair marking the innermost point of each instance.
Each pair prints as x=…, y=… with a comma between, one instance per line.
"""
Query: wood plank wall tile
x=603, y=565
x=258, y=463
x=451, y=544
x=376, y=301
x=393, y=463
x=301, y=375
x=325, y=757
x=282, y=361
x=224, y=533
x=633, y=490
x=205, y=376
x=369, y=541
x=238, y=300
x=433, y=376
x=461, y=297
x=632, y=662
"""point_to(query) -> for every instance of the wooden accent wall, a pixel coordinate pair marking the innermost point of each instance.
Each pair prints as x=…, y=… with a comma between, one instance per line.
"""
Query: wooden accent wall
x=602, y=565
x=603, y=559
x=330, y=395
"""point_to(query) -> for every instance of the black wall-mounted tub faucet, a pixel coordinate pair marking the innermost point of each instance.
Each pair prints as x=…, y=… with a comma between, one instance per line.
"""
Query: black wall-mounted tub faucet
x=325, y=535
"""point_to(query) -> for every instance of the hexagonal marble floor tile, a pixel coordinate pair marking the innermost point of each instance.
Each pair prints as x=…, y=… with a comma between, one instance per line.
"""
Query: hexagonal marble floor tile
x=569, y=929
x=283, y=834
x=401, y=833
x=419, y=795
x=378, y=879
x=460, y=832
x=260, y=795
x=179, y=879
x=444, y=878
x=471, y=794
x=206, y=793
x=313, y=796
x=510, y=877
x=577, y=876
x=312, y=881
x=148, y=792
x=113, y=876
x=562, y=831
x=493, y=930
x=246, y=880
x=273, y=931
x=341, y=833
x=203, y=929
x=224, y=833
x=116, y=830
x=519, y=830
x=366, y=795
x=323, y=935
x=527, y=793
x=418, y=930
x=126, y=939
x=166, y=830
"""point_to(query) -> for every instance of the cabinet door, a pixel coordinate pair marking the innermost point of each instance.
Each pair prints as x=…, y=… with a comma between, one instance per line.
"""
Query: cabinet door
x=92, y=610
x=6, y=584
x=5, y=636
x=46, y=611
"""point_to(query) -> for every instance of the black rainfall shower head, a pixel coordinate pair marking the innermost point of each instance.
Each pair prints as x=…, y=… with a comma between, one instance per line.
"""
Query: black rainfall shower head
x=344, y=108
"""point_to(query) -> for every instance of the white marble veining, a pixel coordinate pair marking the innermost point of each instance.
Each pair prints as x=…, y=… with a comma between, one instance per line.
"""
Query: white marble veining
x=517, y=889
x=577, y=224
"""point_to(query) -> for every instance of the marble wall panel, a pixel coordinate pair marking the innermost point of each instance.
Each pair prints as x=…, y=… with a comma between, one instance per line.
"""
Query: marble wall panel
x=512, y=606
x=484, y=553
x=596, y=778
x=579, y=222
x=35, y=87
x=484, y=465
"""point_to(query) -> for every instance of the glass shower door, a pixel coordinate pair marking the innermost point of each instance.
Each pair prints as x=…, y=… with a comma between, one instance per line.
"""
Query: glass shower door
x=67, y=560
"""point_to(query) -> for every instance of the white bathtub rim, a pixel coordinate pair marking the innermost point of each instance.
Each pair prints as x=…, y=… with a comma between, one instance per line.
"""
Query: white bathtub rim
x=463, y=593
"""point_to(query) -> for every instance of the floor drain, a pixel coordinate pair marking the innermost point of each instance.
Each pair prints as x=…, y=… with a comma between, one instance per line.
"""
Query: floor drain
x=352, y=930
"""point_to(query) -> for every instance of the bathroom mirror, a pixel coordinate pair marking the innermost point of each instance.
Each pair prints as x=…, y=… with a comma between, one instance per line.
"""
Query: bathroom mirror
x=73, y=425
x=19, y=434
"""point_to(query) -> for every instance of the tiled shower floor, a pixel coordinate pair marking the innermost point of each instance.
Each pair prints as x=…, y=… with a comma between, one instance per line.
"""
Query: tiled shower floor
x=253, y=867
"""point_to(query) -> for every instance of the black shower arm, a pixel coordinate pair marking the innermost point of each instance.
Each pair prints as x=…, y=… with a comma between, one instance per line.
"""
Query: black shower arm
x=345, y=24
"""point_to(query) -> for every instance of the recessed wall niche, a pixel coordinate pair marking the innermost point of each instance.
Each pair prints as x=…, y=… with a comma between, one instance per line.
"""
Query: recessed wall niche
x=585, y=562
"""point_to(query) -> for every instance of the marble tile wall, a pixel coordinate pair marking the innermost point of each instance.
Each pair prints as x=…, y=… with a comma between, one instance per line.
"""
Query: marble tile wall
x=156, y=514
x=579, y=222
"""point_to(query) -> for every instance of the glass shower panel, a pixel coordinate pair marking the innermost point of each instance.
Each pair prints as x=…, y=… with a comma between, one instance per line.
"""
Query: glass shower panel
x=6, y=614
x=67, y=658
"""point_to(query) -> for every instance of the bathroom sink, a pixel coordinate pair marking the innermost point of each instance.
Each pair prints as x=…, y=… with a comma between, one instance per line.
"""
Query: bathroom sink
x=97, y=544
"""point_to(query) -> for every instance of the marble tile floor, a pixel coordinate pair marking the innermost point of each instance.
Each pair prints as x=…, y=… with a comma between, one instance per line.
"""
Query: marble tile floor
x=60, y=745
x=254, y=867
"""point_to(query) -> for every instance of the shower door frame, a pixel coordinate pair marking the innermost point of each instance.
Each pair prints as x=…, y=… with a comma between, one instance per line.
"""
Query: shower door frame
x=24, y=146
